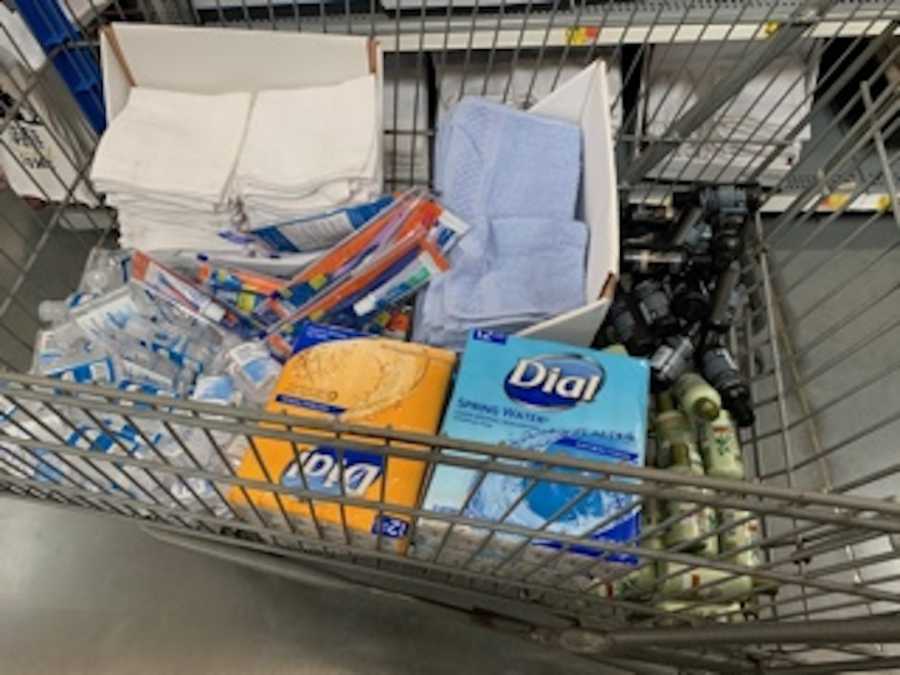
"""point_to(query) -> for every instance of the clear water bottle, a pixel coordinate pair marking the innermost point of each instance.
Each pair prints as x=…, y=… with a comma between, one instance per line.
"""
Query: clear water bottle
x=53, y=312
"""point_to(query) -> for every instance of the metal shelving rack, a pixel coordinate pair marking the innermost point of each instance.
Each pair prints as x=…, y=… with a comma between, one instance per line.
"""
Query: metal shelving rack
x=563, y=29
x=506, y=25
x=817, y=343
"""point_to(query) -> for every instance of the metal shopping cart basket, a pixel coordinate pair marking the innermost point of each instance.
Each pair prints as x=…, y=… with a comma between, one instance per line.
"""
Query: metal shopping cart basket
x=805, y=103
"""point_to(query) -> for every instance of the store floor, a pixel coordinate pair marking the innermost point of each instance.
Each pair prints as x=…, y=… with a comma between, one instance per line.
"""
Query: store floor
x=86, y=595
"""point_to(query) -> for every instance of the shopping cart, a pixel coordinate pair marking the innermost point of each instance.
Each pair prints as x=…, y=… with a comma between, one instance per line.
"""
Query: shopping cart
x=817, y=342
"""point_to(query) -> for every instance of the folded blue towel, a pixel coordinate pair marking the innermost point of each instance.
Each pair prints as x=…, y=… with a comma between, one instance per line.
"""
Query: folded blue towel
x=514, y=178
x=494, y=161
x=533, y=267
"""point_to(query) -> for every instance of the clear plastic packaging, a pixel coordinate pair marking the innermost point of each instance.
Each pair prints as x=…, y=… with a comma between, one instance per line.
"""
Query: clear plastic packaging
x=105, y=270
x=53, y=311
x=218, y=390
x=157, y=342
x=96, y=369
x=56, y=312
x=112, y=436
x=181, y=291
x=58, y=345
x=254, y=370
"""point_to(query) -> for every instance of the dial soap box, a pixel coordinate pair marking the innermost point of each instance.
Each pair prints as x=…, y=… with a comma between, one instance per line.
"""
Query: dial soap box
x=358, y=380
x=555, y=399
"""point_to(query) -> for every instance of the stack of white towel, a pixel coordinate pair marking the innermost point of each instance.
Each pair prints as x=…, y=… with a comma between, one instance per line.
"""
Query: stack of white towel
x=165, y=163
x=742, y=135
x=183, y=168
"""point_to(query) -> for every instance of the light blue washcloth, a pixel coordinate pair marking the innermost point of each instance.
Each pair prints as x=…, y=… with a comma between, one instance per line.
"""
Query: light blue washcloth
x=461, y=169
x=514, y=178
x=503, y=292
x=436, y=327
x=532, y=268
x=494, y=161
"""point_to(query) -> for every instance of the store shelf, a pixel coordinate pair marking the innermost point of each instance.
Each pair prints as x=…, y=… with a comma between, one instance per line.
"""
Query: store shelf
x=837, y=200
x=509, y=25
x=848, y=194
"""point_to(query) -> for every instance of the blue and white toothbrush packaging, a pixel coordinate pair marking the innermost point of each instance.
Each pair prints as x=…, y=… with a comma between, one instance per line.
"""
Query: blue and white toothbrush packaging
x=554, y=399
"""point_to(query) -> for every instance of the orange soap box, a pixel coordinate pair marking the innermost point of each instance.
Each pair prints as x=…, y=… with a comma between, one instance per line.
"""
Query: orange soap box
x=359, y=380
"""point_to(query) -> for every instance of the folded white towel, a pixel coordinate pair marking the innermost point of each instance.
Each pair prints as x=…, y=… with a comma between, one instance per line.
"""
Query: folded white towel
x=140, y=231
x=310, y=149
x=166, y=162
x=172, y=143
x=266, y=209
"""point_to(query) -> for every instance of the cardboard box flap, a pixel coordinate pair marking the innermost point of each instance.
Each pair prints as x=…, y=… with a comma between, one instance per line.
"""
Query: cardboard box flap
x=215, y=61
x=584, y=99
x=218, y=61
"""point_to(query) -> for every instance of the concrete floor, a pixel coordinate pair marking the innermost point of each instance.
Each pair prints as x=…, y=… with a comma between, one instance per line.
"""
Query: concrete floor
x=81, y=594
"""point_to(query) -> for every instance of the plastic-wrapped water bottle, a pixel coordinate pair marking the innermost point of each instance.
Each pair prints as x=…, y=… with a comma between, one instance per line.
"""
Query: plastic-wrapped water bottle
x=219, y=390
x=254, y=371
x=53, y=311
x=67, y=353
x=56, y=312
x=54, y=346
x=151, y=335
x=105, y=270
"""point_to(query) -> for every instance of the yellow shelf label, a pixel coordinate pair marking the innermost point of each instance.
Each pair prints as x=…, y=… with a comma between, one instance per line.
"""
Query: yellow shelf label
x=579, y=36
x=835, y=201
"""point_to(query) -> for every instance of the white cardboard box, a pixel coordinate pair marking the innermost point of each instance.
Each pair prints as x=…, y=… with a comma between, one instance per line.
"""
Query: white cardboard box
x=584, y=100
x=216, y=61
x=213, y=61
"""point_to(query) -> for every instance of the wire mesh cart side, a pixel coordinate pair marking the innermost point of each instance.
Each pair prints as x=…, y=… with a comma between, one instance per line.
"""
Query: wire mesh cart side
x=798, y=98
x=495, y=560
